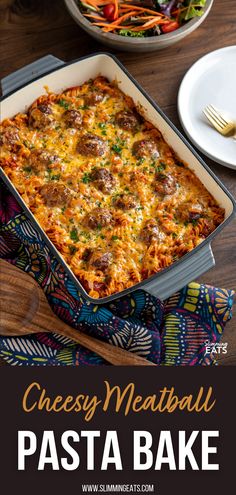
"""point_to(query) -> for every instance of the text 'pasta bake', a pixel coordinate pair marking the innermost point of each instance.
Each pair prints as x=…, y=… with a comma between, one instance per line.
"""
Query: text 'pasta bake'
x=109, y=192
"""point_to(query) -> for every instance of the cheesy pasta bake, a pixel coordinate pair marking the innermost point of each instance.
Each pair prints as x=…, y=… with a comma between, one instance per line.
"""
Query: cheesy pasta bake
x=109, y=192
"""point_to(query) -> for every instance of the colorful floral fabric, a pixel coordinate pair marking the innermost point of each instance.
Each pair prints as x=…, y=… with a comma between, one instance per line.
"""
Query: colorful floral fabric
x=170, y=333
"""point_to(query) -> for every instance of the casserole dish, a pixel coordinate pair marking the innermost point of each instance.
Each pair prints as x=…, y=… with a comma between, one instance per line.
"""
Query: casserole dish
x=191, y=265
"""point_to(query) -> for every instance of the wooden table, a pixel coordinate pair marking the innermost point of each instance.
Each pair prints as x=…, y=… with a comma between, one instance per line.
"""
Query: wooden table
x=30, y=29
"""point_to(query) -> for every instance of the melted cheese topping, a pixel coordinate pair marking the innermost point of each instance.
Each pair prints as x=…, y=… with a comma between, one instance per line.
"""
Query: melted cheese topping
x=153, y=211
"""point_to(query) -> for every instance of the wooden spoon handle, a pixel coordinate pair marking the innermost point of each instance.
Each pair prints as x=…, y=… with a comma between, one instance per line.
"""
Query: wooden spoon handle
x=33, y=314
x=113, y=354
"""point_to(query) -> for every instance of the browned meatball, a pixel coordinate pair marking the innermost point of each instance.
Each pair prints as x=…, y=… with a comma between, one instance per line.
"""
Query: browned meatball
x=165, y=184
x=56, y=194
x=129, y=121
x=126, y=201
x=91, y=145
x=73, y=118
x=95, y=97
x=188, y=212
x=151, y=232
x=39, y=160
x=101, y=261
x=40, y=116
x=104, y=180
x=97, y=218
x=145, y=148
x=208, y=227
x=9, y=137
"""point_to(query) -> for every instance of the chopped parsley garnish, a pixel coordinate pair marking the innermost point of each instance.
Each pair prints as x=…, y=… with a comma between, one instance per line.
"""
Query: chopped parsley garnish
x=161, y=167
x=86, y=178
x=99, y=226
x=74, y=235
x=72, y=249
x=140, y=161
x=83, y=107
x=102, y=125
x=114, y=238
x=64, y=104
x=116, y=148
x=161, y=176
x=55, y=177
x=120, y=141
x=27, y=169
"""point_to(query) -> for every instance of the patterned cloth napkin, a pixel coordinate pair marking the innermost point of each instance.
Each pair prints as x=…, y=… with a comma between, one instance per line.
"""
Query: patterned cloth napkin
x=171, y=333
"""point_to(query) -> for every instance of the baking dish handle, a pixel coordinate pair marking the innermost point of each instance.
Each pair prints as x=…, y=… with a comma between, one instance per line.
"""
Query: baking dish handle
x=182, y=274
x=28, y=73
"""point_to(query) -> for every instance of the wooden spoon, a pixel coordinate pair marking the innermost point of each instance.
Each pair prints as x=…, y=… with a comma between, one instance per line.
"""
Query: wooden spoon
x=24, y=309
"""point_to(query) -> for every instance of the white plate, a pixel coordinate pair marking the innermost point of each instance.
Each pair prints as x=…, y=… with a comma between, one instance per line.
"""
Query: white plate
x=212, y=79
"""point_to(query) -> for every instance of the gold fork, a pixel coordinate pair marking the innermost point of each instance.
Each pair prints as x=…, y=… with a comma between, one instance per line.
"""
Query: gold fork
x=225, y=126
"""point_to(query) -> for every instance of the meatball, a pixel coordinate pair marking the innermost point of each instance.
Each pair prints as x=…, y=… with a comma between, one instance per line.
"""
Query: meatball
x=40, y=116
x=39, y=160
x=104, y=180
x=93, y=98
x=91, y=145
x=188, y=212
x=126, y=201
x=145, y=148
x=129, y=121
x=165, y=184
x=100, y=261
x=208, y=227
x=56, y=194
x=97, y=218
x=73, y=118
x=9, y=137
x=151, y=232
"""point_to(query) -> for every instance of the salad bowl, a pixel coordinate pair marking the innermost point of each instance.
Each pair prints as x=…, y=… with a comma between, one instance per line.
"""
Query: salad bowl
x=136, y=44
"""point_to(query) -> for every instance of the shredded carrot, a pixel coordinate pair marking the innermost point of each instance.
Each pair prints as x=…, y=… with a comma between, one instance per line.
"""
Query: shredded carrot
x=122, y=18
x=99, y=17
x=148, y=25
x=116, y=12
x=97, y=3
x=134, y=7
x=145, y=17
x=100, y=24
x=92, y=3
x=128, y=26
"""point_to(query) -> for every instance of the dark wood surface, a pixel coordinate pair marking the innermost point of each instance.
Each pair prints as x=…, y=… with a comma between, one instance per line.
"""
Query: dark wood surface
x=30, y=29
